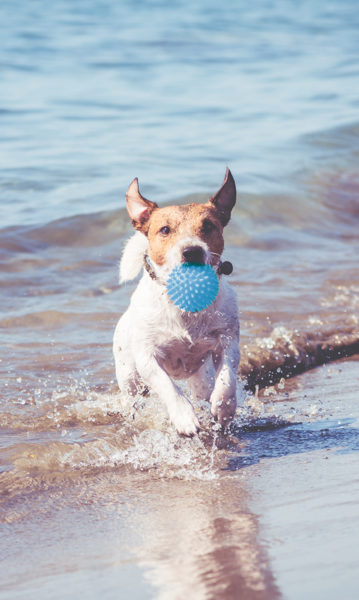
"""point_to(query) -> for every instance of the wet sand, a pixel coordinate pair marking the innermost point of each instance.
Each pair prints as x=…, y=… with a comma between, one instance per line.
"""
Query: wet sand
x=275, y=518
x=307, y=497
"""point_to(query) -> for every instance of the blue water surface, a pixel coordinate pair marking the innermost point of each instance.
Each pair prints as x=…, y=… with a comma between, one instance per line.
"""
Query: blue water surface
x=96, y=92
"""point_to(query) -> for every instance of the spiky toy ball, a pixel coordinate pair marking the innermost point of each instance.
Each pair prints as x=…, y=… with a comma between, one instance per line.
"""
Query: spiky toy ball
x=192, y=287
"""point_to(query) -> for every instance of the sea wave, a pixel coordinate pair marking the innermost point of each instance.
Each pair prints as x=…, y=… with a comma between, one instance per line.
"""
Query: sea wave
x=287, y=353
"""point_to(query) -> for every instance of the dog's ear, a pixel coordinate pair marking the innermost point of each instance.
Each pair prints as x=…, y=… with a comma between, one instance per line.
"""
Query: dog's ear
x=138, y=207
x=225, y=198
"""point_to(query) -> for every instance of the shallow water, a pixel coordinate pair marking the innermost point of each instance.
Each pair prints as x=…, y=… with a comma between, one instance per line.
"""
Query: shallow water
x=107, y=502
x=146, y=513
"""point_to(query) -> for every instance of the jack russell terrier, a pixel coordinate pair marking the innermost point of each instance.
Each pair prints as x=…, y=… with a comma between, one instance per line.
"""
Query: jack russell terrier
x=156, y=342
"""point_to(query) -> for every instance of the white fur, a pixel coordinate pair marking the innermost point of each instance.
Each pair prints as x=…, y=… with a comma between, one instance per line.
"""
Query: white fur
x=132, y=257
x=156, y=343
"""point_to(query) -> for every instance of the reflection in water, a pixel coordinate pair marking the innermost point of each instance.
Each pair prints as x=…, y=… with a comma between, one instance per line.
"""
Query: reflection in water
x=166, y=539
x=200, y=541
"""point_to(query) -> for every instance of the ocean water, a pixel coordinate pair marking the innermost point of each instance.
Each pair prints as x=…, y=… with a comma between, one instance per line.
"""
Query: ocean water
x=103, y=502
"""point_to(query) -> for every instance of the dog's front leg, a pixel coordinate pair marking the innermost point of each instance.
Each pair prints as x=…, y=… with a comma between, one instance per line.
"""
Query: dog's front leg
x=224, y=397
x=180, y=409
x=201, y=383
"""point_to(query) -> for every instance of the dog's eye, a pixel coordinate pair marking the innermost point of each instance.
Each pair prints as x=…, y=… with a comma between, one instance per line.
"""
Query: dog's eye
x=208, y=226
x=164, y=230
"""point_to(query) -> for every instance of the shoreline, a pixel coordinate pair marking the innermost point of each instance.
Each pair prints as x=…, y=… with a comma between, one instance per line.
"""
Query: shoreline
x=268, y=528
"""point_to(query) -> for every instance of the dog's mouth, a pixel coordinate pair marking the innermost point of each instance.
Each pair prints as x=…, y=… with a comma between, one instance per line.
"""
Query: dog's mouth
x=197, y=255
x=222, y=268
x=190, y=253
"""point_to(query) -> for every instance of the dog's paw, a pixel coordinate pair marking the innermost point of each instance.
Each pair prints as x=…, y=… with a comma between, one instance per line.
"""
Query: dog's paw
x=184, y=419
x=224, y=410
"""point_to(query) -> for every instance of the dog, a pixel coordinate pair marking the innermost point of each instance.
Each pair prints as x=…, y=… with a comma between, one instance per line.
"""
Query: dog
x=156, y=342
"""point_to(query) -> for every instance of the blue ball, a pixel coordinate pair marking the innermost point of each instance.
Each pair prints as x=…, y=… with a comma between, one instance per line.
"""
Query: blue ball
x=192, y=287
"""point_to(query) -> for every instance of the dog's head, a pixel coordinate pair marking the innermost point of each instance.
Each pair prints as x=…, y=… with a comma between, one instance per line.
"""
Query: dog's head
x=189, y=233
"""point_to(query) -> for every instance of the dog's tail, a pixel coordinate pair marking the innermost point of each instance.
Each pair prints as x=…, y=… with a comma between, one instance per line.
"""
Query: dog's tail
x=132, y=257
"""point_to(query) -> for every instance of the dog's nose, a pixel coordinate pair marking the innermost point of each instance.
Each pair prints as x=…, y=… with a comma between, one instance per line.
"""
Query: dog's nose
x=193, y=254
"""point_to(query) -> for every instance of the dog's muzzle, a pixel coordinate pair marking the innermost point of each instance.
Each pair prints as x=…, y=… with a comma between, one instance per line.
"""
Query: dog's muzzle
x=193, y=254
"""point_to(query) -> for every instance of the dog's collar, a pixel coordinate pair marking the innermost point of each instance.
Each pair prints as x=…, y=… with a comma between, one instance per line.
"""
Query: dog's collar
x=149, y=268
x=223, y=268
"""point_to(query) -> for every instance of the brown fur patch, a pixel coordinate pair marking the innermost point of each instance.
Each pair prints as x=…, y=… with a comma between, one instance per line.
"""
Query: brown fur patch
x=184, y=221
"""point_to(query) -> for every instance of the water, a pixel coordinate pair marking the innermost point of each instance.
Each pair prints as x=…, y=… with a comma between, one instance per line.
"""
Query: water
x=92, y=95
x=95, y=93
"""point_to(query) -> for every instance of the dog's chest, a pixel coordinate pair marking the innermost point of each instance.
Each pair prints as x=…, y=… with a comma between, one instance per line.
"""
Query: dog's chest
x=183, y=350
